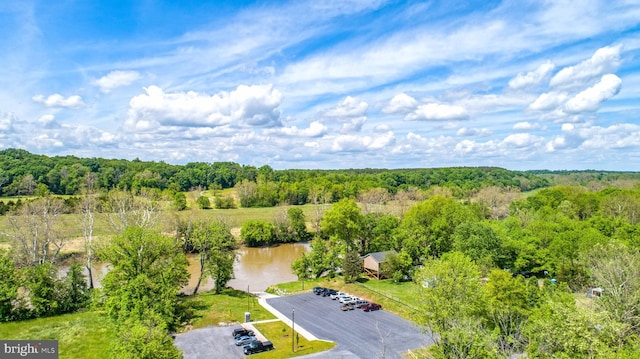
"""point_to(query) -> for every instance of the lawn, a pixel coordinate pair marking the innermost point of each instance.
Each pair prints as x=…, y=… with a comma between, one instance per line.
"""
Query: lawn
x=280, y=335
x=229, y=306
x=80, y=335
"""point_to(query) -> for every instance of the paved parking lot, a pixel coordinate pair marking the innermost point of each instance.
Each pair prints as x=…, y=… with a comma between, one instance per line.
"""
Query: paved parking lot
x=358, y=334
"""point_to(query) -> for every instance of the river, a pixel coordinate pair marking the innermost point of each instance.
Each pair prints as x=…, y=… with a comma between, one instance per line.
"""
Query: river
x=255, y=268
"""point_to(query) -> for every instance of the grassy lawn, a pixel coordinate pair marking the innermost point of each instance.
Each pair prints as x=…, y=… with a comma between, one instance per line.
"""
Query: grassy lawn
x=280, y=335
x=229, y=306
x=80, y=335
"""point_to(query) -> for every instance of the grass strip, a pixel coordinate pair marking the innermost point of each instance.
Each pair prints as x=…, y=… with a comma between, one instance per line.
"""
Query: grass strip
x=280, y=335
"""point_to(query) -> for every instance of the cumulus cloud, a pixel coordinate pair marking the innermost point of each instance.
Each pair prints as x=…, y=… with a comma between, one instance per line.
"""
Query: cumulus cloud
x=532, y=78
x=48, y=121
x=59, y=101
x=437, y=112
x=116, y=79
x=526, y=126
x=315, y=129
x=256, y=105
x=604, y=60
x=548, y=101
x=473, y=132
x=352, y=143
x=349, y=107
x=590, y=99
x=354, y=125
x=401, y=103
x=521, y=140
x=7, y=121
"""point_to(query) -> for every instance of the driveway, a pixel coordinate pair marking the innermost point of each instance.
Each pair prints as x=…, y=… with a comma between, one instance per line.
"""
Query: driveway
x=207, y=343
x=358, y=334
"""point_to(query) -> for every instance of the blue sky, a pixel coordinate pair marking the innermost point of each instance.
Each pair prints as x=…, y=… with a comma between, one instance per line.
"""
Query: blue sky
x=325, y=84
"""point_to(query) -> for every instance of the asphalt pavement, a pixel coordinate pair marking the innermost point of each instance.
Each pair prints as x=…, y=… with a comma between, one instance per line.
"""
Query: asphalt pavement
x=358, y=334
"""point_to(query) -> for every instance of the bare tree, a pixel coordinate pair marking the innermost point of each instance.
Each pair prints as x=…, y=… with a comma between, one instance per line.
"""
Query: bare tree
x=373, y=200
x=321, y=198
x=35, y=230
x=88, y=207
x=496, y=200
x=125, y=209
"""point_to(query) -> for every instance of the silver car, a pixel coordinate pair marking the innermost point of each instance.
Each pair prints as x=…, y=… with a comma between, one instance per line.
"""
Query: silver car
x=244, y=340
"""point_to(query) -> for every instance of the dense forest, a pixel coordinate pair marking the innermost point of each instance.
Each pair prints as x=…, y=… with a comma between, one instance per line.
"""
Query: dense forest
x=23, y=173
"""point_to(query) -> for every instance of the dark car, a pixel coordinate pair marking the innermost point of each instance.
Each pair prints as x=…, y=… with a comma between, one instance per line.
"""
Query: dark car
x=238, y=332
x=257, y=346
x=244, y=340
x=329, y=292
x=371, y=307
x=318, y=290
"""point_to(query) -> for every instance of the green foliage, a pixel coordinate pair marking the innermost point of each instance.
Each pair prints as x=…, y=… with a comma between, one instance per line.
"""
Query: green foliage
x=321, y=259
x=215, y=246
x=224, y=202
x=75, y=291
x=203, y=202
x=146, y=338
x=352, y=266
x=8, y=286
x=180, y=201
x=344, y=222
x=479, y=242
x=42, y=286
x=257, y=233
x=148, y=271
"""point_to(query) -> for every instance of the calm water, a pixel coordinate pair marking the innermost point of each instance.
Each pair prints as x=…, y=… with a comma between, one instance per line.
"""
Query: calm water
x=257, y=268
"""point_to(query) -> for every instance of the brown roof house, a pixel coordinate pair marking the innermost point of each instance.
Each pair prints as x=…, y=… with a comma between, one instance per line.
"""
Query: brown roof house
x=373, y=263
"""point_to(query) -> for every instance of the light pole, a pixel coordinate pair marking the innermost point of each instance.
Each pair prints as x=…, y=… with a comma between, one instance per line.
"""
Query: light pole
x=248, y=298
x=293, y=328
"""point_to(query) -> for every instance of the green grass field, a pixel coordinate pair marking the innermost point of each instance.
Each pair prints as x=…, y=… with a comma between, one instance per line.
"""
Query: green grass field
x=280, y=335
x=80, y=335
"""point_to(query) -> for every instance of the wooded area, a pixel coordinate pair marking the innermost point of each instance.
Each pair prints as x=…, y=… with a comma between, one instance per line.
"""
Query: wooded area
x=503, y=269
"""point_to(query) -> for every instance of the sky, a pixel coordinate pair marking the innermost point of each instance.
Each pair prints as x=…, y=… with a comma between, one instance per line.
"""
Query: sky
x=329, y=84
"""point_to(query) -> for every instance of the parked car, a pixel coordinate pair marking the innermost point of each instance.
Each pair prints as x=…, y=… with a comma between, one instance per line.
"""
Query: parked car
x=238, y=332
x=371, y=307
x=244, y=340
x=318, y=290
x=337, y=294
x=346, y=307
x=257, y=346
x=359, y=303
x=348, y=300
x=328, y=292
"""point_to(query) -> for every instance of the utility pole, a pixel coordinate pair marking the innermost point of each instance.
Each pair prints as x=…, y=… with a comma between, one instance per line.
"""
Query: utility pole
x=293, y=328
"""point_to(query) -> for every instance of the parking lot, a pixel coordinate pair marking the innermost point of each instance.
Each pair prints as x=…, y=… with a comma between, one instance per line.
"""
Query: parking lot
x=357, y=334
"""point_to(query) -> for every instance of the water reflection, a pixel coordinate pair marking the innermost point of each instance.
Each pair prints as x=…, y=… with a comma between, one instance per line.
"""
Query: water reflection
x=257, y=268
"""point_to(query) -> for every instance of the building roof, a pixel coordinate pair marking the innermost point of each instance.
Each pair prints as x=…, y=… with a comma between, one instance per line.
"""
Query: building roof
x=380, y=256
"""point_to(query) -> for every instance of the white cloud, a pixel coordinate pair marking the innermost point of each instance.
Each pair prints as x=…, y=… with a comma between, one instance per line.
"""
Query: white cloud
x=464, y=131
x=521, y=140
x=6, y=121
x=352, y=143
x=401, y=103
x=437, y=112
x=548, y=101
x=590, y=99
x=532, y=78
x=604, y=60
x=116, y=79
x=350, y=107
x=315, y=129
x=57, y=100
x=246, y=106
x=354, y=125
x=526, y=126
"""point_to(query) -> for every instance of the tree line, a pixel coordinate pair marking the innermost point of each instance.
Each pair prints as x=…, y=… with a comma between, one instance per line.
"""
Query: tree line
x=26, y=174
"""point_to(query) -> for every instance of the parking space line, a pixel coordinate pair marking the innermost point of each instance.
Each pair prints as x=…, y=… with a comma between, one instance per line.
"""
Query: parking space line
x=262, y=299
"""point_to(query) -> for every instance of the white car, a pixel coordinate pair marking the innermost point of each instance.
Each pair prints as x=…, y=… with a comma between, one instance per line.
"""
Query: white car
x=335, y=296
x=345, y=299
